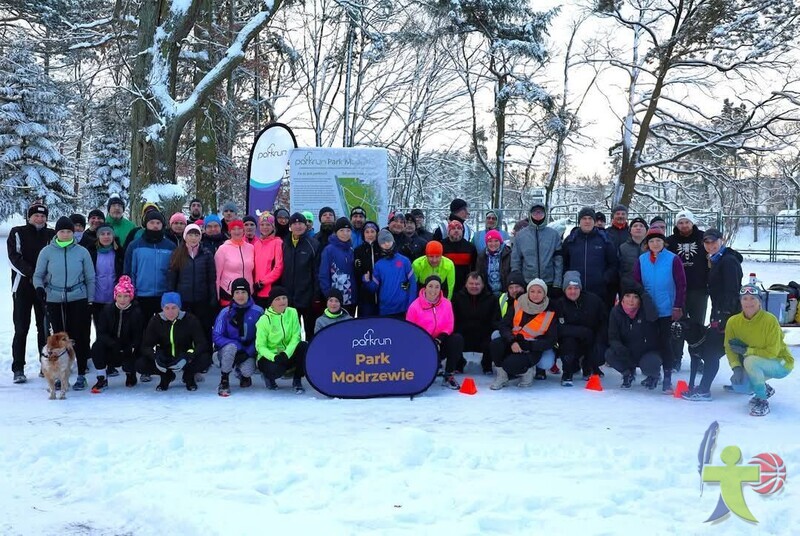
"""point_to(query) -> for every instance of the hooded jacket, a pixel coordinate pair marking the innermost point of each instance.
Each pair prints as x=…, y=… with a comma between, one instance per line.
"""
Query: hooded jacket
x=537, y=254
x=584, y=319
x=233, y=261
x=196, y=282
x=435, y=318
x=277, y=332
x=182, y=336
x=236, y=325
x=337, y=270
x=269, y=263
x=24, y=244
x=629, y=252
x=394, y=283
x=67, y=274
x=594, y=256
x=691, y=251
x=632, y=338
x=147, y=262
x=213, y=243
x=122, y=227
x=724, y=282
x=122, y=328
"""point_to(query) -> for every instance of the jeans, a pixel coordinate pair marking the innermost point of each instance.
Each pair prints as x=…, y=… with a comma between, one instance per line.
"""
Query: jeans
x=757, y=371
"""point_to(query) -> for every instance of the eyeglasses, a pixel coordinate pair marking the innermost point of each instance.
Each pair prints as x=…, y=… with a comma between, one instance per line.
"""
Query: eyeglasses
x=749, y=291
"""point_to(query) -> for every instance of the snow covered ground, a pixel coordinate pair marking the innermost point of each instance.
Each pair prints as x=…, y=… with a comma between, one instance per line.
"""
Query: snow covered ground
x=541, y=460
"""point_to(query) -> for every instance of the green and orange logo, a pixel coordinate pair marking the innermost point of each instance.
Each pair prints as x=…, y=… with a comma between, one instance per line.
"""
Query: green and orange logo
x=765, y=473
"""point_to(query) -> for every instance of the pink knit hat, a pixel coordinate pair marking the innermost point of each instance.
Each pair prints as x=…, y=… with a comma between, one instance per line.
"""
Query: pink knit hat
x=266, y=216
x=178, y=216
x=494, y=234
x=124, y=286
x=192, y=227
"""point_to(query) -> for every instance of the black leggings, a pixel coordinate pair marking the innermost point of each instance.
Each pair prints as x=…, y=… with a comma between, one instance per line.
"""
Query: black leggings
x=276, y=369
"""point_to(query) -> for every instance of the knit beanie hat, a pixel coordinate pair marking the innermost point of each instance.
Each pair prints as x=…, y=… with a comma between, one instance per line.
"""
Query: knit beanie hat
x=750, y=290
x=385, y=237
x=639, y=220
x=240, y=284
x=572, y=278
x=275, y=292
x=454, y=224
x=539, y=206
x=655, y=219
x=654, y=233
x=619, y=208
x=192, y=228
x=685, y=214
x=147, y=207
x=342, y=223
x=335, y=293
x=537, y=283
x=153, y=215
x=235, y=224
x=371, y=224
x=493, y=235
x=96, y=213
x=434, y=247
x=358, y=210
x=178, y=216
x=171, y=298
x=212, y=218
x=430, y=278
x=267, y=217
x=78, y=219
x=599, y=216
x=456, y=205
x=64, y=224
x=282, y=213
x=325, y=210
x=115, y=200
x=309, y=217
x=104, y=228
x=124, y=286
x=38, y=208
x=252, y=219
x=516, y=278
x=229, y=205
x=587, y=211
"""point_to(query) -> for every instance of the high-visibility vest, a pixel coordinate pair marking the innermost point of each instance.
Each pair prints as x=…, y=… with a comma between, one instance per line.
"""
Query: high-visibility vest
x=536, y=326
x=503, y=304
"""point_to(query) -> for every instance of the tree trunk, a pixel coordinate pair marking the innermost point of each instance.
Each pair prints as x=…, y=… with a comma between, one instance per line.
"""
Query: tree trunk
x=500, y=149
x=205, y=143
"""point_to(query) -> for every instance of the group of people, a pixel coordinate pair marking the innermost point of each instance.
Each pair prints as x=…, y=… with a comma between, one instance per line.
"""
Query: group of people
x=248, y=294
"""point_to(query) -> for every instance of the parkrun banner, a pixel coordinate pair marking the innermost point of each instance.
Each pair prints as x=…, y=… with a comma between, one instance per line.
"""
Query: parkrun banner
x=371, y=357
x=268, y=159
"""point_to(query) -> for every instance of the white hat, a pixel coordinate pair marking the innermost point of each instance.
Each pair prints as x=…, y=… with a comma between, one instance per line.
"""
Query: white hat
x=684, y=214
x=537, y=282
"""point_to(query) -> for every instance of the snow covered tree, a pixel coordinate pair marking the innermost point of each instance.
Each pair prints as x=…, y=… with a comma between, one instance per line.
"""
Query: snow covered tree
x=110, y=173
x=31, y=164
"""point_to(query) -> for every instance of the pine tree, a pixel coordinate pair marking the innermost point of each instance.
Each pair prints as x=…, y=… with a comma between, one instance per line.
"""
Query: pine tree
x=110, y=173
x=31, y=164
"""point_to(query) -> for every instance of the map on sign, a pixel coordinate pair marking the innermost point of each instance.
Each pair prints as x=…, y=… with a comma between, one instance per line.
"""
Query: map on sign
x=355, y=192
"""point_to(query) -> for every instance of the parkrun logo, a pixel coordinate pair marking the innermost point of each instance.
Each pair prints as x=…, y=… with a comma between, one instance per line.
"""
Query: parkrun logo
x=765, y=473
x=368, y=340
x=270, y=152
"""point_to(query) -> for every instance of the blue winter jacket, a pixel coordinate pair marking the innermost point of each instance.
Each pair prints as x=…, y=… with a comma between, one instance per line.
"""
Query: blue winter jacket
x=336, y=269
x=389, y=276
x=225, y=332
x=594, y=256
x=148, y=263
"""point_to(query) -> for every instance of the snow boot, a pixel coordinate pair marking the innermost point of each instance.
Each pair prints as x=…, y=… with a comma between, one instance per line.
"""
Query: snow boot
x=297, y=385
x=80, y=383
x=666, y=387
x=541, y=374
x=101, y=385
x=650, y=382
x=759, y=407
x=166, y=379
x=627, y=380
x=112, y=372
x=269, y=382
x=244, y=383
x=130, y=379
x=527, y=379
x=450, y=381
x=224, y=388
x=500, y=380
x=191, y=383
x=566, y=380
x=20, y=377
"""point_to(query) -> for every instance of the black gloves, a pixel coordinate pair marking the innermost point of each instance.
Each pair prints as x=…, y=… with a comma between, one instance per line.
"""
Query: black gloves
x=738, y=376
x=41, y=293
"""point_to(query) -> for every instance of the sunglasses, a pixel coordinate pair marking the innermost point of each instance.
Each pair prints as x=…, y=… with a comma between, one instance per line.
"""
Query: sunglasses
x=749, y=291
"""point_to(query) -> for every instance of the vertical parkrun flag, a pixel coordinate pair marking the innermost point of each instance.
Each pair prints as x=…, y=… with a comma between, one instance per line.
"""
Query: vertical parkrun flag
x=268, y=159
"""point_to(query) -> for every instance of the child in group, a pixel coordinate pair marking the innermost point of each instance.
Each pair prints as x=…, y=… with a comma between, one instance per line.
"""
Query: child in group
x=333, y=312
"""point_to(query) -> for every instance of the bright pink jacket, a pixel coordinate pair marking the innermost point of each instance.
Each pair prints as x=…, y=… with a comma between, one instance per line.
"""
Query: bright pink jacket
x=269, y=262
x=232, y=262
x=435, y=318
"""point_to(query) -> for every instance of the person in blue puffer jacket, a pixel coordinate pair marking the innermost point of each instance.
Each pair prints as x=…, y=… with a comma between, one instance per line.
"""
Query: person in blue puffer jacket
x=392, y=279
x=337, y=268
x=147, y=264
x=591, y=253
x=234, y=337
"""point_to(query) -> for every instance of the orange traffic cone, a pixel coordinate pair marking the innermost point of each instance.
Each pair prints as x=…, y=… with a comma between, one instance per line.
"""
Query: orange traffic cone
x=594, y=383
x=680, y=388
x=468, y=387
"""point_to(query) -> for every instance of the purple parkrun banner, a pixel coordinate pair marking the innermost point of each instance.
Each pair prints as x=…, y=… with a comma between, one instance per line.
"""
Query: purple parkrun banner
x=371, y=357
x=267, y=166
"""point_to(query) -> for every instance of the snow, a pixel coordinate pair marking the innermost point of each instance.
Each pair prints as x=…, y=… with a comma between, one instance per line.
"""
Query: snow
x=157, y=193
x=535, y=461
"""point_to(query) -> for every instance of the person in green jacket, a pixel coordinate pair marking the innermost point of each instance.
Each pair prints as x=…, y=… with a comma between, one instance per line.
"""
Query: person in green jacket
x=278, y=344
x=756, y=350
x=121, y=225
x=433, y=263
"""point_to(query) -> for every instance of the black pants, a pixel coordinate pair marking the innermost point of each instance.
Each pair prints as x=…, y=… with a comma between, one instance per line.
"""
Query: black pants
x=198, y=363
x=479, y=342
x=513, y=364
x=106, y=352
x=577, y=354
x=73, y=317
x=150, y=306
x=309, y=320
x=451, y=349
x=96, y=309
x=696, y=307
x=205, y=313
x=665, y=342
x=650, y=362
x=25, y=299
x=276, y=369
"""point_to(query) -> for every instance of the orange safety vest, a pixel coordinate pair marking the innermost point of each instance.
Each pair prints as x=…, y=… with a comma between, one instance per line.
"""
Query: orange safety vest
x=536, y=326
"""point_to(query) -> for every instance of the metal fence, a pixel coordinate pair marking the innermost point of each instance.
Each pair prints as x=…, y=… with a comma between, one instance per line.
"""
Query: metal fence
x=761, y=237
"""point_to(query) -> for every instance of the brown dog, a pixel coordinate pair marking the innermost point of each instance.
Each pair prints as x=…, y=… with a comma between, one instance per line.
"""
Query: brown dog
x=57, y=359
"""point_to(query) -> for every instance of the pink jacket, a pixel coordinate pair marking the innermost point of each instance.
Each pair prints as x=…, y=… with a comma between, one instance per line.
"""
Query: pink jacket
x=269, y=263
x=435, y=318
x=233, y=261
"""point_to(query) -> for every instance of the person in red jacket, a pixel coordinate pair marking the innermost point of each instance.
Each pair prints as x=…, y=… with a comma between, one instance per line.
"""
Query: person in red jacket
x=234, y=259
x=434, y=313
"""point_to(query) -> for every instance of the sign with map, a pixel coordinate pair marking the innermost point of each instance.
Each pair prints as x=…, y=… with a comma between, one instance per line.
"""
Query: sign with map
x=340, y=178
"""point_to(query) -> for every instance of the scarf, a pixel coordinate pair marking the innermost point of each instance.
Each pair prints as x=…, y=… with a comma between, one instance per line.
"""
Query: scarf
x=713, y=259
x=334, y=315
x=533, y=308
x=61, y=244
x=493, y=271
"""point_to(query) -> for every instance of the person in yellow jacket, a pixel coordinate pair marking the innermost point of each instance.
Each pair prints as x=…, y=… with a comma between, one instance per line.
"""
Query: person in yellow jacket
x=756, y=350
x=278, y=344
x=433, y=263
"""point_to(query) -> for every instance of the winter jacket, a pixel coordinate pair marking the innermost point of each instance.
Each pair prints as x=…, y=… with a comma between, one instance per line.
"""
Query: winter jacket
x=277, y=333
x=504, y=266
x=446, y=272
x=594, y=256
x=424, y=234
x=213, y=243
x=540, y=344
x=691, y=251
x=365, y=255
x=326, y=319
x=182, y=336
x=441, y=231
x=479, y=240
x=236, y=325
x=300, y=270
x=147, y=262
x=24, y=243
x=323, y=236
x=67, y=274
x=763, y=336
x=233, y=261
x=122, y=227
x=476, y=316
x=724, y=282
x=537, y=253
x=635, y=337
x=357, y=237
x=196, y=282
x=464, y=256
x=269, y=263
x=664, y=280
x=618, y=235
x=172, y=237
x=393, y=281
x=108, y=265
x=121, y=328
x=414, y=248
x=629, y=252
x=584, y=319
x=435, y=318
x=337, y=270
